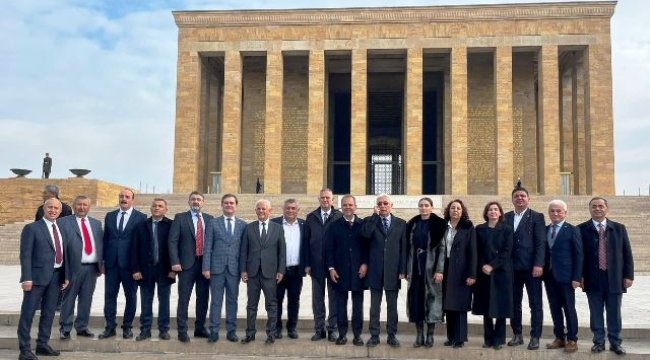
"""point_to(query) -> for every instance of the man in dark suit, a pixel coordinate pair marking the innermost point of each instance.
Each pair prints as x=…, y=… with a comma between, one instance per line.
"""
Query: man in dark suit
x=186, y=239
x=528, y=252
x=562, y=275
x=118, y=231
x=608, y=272
x=151, y=268
x=42, y=275
x=85, y=252
x=291, y=284
x=221, y=266
x=315, y=225
x=52, y=191
x=347, y=262
x=385, y=236
x=262, y=263
x=47, y=166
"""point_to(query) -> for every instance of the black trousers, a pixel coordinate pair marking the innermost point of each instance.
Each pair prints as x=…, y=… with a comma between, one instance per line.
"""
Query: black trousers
x=494, y=331
x=291, y=284
x=457, y=326
x=375, y=309
x=342, y=312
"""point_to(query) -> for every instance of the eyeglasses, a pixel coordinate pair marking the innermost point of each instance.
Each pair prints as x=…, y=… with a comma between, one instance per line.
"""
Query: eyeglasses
x=385, y=203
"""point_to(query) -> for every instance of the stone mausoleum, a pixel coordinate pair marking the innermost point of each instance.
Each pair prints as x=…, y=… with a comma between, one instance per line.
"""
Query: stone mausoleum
x=407, y=100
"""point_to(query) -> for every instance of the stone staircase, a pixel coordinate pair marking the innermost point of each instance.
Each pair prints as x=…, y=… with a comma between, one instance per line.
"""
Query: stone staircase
x=634, y=212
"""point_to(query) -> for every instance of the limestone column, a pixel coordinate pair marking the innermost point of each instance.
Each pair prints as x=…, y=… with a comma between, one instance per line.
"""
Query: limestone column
x=600, y=150
x=413, y=153
x=231, y=139
x=459, y=120
x=273, y=130
x=503, y=98
x=316, y=149
x=188, y=121
x=359, y=126
x=549, y=113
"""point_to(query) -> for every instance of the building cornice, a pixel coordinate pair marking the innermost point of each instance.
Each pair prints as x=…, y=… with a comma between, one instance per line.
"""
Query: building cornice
x=395, y=15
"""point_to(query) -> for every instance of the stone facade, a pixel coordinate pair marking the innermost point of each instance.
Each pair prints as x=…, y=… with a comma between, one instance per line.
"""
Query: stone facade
x=521, y=91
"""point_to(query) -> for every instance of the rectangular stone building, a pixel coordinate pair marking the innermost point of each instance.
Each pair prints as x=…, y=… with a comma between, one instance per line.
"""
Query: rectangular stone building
x=410, y=100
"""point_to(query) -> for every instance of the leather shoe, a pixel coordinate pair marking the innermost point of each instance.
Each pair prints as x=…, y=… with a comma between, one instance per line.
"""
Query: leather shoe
x=232, y=337
x=164, y=335
x=46, y=350
x=27, y=355
x=213, y=337
x=533, y=344
x=201, y=333
x=486, y=345
x=571, y=346
x=183, y=337
x=143, y=336
x=269, y=340
x=278, y=334
x=374, y=341
x=65, y=335
x=127, y=334
x=320, y=334
x=617, y=349
x=293, y=334
x=458, y=345
x=247, y=339
x=516, y=340
x=85, y=333
x=107, y=334
x=357, y=341
x=556, y=344
x=597, y=348
x=497, y=346
x=331, y=336
x=342, y=340
x=448, y=343
x=392, y=341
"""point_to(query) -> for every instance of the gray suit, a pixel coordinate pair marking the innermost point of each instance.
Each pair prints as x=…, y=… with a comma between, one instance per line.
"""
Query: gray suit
x=221, y=259
x=83, y=277
x=262, y=260
x=37, y=256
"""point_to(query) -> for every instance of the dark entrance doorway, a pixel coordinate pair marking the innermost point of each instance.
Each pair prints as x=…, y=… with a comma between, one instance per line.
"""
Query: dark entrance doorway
x=385, y=152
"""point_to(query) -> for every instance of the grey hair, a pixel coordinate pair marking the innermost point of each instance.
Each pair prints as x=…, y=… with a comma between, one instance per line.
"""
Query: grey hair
x=52, y=189
x=558, y=202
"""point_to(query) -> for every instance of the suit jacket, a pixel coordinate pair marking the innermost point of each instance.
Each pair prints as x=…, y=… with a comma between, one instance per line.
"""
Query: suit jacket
x=37, y=253
x=387, y=252
x=221, y=250
x=268, y=257
x=529, y=242
x=620, y=263
x=345, y=253
x=564, y=259
x=142, y=250
x=314, y=239
x=75, y=240
x=118, y=245
x=182, y=239
x=304, y=253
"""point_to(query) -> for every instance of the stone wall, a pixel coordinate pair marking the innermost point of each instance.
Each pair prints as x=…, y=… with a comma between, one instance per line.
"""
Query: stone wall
x=295, y=124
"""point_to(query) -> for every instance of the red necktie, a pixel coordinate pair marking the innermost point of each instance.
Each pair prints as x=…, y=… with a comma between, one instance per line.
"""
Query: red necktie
x=88, y=245
x=602, y=250
x=199, y=235
x=57, y=245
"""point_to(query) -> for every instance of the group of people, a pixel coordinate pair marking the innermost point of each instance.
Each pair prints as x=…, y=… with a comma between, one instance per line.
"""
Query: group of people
x=451, y=268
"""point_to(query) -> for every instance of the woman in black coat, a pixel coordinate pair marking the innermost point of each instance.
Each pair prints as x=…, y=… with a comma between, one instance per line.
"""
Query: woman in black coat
x=493, y=290
x=460, y=271
x=426, y=257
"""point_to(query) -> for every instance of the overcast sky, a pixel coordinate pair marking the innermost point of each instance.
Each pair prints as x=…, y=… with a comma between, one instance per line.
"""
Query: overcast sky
x=93, y=83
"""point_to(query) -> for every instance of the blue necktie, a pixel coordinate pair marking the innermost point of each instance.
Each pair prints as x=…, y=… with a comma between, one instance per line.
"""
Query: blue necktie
x=155, y=248
x=229, y=229
x=385, y=225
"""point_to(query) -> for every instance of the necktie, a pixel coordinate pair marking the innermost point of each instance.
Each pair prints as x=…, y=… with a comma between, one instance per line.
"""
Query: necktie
x=199, y=235
x=602, y=251
x=229, y=229
x=325, y=216
x=58, y=258
x=120, y=227
x=88, y=245
x=385, y=221
x=154, y=240
x=263, y=236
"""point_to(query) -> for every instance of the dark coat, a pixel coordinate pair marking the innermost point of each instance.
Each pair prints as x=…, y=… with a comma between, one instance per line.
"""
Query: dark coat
x=117, y=245
x=314, y=239
x=142, y=251
x=461, y=266
x=620, y=264
x=304, y=251
x=182, y=239
x=346, y=253
x=387, y=252
x=529, y=240
x=37, y=253
x=493, y=293
x=565, y=256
